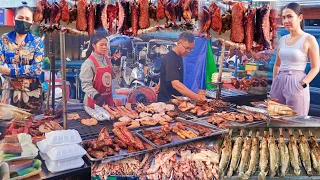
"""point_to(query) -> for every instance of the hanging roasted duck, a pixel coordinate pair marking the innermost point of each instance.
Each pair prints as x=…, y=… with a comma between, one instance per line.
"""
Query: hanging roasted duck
x=216, y=19
x=38, y=13
x=47, y=11
x=160, y=9
x=81, y=23
x=65, y=14
x=170, y=12
x=187, y=13
x=194, y=9
x=55, y=14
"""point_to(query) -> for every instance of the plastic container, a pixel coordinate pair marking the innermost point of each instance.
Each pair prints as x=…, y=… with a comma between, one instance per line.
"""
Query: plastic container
x=63, y=137
x=44, y=156
x=66, y=152
x=43, y=146
x=58, y=166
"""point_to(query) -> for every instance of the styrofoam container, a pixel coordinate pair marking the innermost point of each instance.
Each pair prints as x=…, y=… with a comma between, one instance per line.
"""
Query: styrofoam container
x=63, y=137
x=58, y=166
x=44, y=156
x=65, y=152
x=43, y=146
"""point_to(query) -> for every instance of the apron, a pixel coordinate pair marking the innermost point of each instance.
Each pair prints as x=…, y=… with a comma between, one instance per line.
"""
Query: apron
x=102, y=82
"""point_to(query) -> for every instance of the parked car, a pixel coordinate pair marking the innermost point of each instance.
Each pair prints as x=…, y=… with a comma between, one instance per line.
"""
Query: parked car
x=315, y=84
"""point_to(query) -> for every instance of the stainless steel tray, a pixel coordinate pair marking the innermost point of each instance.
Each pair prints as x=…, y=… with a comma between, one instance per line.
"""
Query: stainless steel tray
x=123, y=153
x=176, y=140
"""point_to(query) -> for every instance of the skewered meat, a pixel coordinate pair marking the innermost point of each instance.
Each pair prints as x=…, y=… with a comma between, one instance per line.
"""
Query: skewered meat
x=38, y=14
x=65, y=14
x=127, y=15
x=112, y=13
x=205, y=20
x=47, y=11
x=216, y=20
x=171, y=13
x=144, y=21
x=81, y=22
x=99, y=10
x=179, y=9
x=160, y=9
x=134, y=18
x=73, y=14
x=249, y=27
x=237, y=29
x=265, y=26
x=187, y=14
x=55, y=14
x=91, y=18
x=121, y=17
x=153, y=12
x=273, y=27
x=194, y=9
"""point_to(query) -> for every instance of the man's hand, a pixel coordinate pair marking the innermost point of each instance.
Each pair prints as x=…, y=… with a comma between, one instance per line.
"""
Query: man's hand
x=4, y=70
x=200, y=98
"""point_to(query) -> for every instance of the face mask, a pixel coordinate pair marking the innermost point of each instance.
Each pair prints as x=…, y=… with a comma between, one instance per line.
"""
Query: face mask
x=22, y=27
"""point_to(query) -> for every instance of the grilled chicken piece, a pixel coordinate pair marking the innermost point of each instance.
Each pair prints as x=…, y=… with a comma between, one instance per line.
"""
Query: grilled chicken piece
x=55, y=14
x=47, y=11
x=205, y=20
x=187, y=14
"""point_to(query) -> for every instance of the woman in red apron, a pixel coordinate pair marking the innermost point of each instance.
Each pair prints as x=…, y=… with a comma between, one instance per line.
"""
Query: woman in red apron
x=96, y=73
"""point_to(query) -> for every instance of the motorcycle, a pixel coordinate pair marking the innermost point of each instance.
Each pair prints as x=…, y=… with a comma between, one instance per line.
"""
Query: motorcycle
x=131, y=78
x=153, y=74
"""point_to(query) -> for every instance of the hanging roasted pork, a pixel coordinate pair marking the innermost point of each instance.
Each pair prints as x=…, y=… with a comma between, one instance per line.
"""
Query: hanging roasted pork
x=38, y=13
x=170, y=12
x=216, y=19
x=55, y=14
x=160, y=9
x=81, y=23
x=265, y=26
x=91, y=18
x=249, y=27
x=65, y=14
x=104, y=18
x=204, y=20
x=144, y=20
x=237, y=28
x=273, y=27
x=127, y=15
x=121, y=16
x=134, y=18
x=99, y=10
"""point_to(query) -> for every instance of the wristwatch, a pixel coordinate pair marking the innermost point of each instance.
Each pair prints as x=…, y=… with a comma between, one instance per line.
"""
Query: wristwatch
x=303, y=84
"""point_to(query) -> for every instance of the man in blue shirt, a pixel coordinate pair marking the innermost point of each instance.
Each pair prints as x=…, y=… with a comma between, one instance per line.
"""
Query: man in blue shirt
x=21, y=54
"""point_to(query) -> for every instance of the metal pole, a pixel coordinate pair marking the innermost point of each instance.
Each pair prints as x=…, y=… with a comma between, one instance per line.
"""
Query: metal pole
x=63, y=74
x=53, y=68
x=219, y=87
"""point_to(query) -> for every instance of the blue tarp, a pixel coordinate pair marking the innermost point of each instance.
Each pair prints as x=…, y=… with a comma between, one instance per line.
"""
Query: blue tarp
x=195, y=65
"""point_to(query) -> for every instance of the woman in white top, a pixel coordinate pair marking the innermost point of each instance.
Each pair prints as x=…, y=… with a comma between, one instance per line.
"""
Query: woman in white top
x=290, y=83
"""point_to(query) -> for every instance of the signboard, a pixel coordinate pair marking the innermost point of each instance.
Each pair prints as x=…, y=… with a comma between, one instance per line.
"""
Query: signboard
x=16, y=3
x=6, y=17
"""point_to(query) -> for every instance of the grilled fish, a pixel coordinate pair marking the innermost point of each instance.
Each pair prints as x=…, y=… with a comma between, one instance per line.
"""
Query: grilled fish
x=305, y=153
x=235, y=154
x=294, y=154
x=264, y=157
x=226, y=150
x=245, y=155
x=273, y=154
x=284, y=155
x=254, y=158
x=315, y=152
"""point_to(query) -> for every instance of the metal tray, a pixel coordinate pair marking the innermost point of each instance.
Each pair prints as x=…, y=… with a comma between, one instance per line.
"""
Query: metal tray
x=176, y=140
x=123, y=153
x=200, y=121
